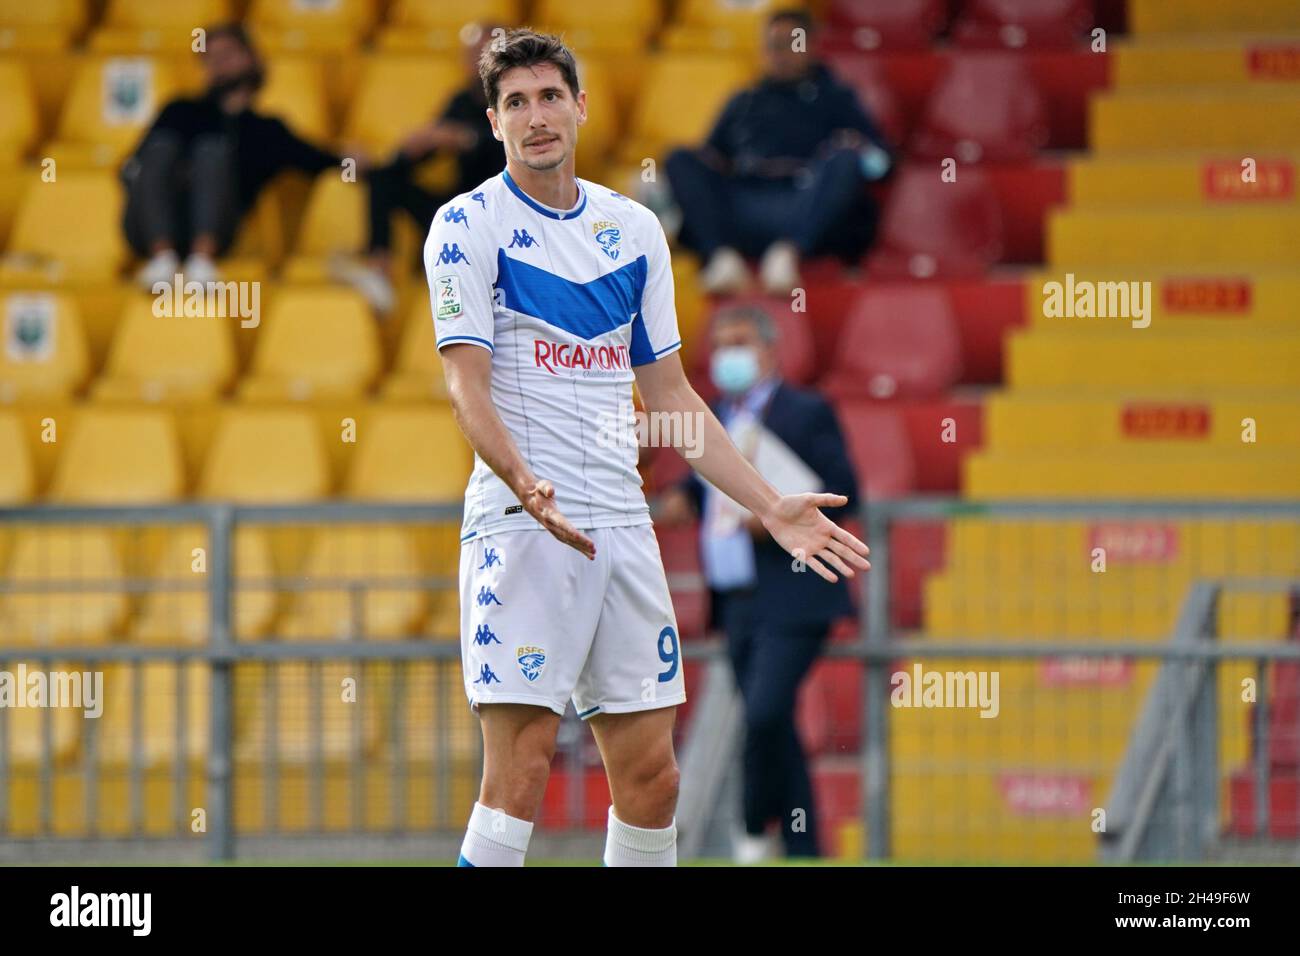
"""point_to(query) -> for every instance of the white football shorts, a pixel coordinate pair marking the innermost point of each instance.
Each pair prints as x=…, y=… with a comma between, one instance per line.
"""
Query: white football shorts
x=540, y=623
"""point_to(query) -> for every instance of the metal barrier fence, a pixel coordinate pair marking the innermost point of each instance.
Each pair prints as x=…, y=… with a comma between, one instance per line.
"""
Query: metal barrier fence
x=1118, y=732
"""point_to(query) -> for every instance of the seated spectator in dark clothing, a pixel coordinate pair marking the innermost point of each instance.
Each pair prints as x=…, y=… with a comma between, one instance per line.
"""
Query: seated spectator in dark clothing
x=462, y=130
x=200, y=166
x=782, y=174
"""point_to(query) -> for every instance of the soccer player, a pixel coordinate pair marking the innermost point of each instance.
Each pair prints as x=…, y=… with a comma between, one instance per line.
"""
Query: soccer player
x=550, y=296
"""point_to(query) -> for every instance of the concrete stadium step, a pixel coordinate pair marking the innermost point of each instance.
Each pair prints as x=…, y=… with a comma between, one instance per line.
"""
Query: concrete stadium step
x=1197, y=178
x=1211, y=16
x=1175, y=60
x=1016, y=421
x=1250, y=473
x=1249, y=237
x=1264, y=116
x=1180, y=299
x=1145, y=364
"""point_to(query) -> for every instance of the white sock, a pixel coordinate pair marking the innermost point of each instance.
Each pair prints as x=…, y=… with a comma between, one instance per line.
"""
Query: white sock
x=494, y=838
x=626, y=845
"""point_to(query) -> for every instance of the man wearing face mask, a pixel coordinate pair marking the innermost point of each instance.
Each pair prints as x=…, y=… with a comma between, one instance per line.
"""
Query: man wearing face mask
x=776, y=619
x=203, y=162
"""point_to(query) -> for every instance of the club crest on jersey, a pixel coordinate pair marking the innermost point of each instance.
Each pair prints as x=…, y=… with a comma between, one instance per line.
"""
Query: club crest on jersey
x=608, y=236
x=531, y=661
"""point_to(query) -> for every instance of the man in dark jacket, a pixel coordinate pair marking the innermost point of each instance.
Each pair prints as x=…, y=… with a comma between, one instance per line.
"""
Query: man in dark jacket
x=782, y=174
x=202, y=163
x=776, y=618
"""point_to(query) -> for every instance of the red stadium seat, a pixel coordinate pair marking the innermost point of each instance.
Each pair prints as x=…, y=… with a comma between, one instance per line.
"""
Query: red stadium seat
x=829, y=713
x=1023, y=23
x=888, y=24
x=879, y=447
x=1284, y=714
x=900, y=341
x=866, y=75
x=986, y=108
x=935, y=228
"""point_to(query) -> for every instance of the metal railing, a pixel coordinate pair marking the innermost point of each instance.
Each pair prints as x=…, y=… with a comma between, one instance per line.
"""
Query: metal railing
x=1168, y=770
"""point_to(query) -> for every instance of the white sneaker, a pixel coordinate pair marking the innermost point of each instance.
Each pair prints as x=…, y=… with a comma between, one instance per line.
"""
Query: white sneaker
x=779, y=269
x=726, y=273
x=371, y=283
x=162, y=267
x=747, y=849
x=199, y=268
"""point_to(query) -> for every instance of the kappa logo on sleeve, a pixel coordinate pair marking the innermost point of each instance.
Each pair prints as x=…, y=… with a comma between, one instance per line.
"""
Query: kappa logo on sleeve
x=449, y=297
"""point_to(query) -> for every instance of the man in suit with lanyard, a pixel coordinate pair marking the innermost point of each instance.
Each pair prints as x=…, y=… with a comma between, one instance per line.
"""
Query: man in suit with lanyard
x=776, y=619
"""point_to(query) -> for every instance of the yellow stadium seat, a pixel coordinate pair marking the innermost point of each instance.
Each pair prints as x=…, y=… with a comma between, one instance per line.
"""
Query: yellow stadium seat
x=332, y=15
x=168, y=358
x=19, y=124
x=591, y=25
x=111, y=104
x=396, y=94
x=265, y=455
x=438, y=13
x=414, y=453
x=182, y=617
x=120, y=455
x=24, y=728
x=310, y=711
x=169, y=13
x=348, y=611
x=716, y=25
x=44, y=346
x=597, y=136
x=85, y=560
x=40, y=27
x=284, y=25
x=334, y=220
x=317, y=342
x=681, y=98
x=82, y=204
x=161, y=686
x=417, y=372
x=295, y=92
x=17, y=478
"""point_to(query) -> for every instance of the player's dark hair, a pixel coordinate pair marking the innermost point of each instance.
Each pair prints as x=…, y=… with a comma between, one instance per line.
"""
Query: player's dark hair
x=524, y=47
x=235, y=31
x=800, y=18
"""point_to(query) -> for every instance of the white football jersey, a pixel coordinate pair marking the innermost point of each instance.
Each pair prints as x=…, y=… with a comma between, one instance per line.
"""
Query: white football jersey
x=568, y=302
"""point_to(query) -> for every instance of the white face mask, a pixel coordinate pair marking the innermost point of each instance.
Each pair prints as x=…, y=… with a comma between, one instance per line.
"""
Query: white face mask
x=734, y=369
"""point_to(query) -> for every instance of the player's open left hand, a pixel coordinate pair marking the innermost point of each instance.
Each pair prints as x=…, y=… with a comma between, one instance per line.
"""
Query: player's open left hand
x=799, y=527
x=539, y=501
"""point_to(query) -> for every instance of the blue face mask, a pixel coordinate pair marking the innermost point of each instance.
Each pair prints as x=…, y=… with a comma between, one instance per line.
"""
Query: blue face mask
x=734, y=369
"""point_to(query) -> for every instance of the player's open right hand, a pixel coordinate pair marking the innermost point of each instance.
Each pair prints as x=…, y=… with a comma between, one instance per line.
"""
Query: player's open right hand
x=539, y=501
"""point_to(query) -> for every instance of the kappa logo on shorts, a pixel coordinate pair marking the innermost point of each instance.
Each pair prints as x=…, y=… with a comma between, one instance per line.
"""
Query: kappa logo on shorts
x=490, y=559
x=531, y=661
